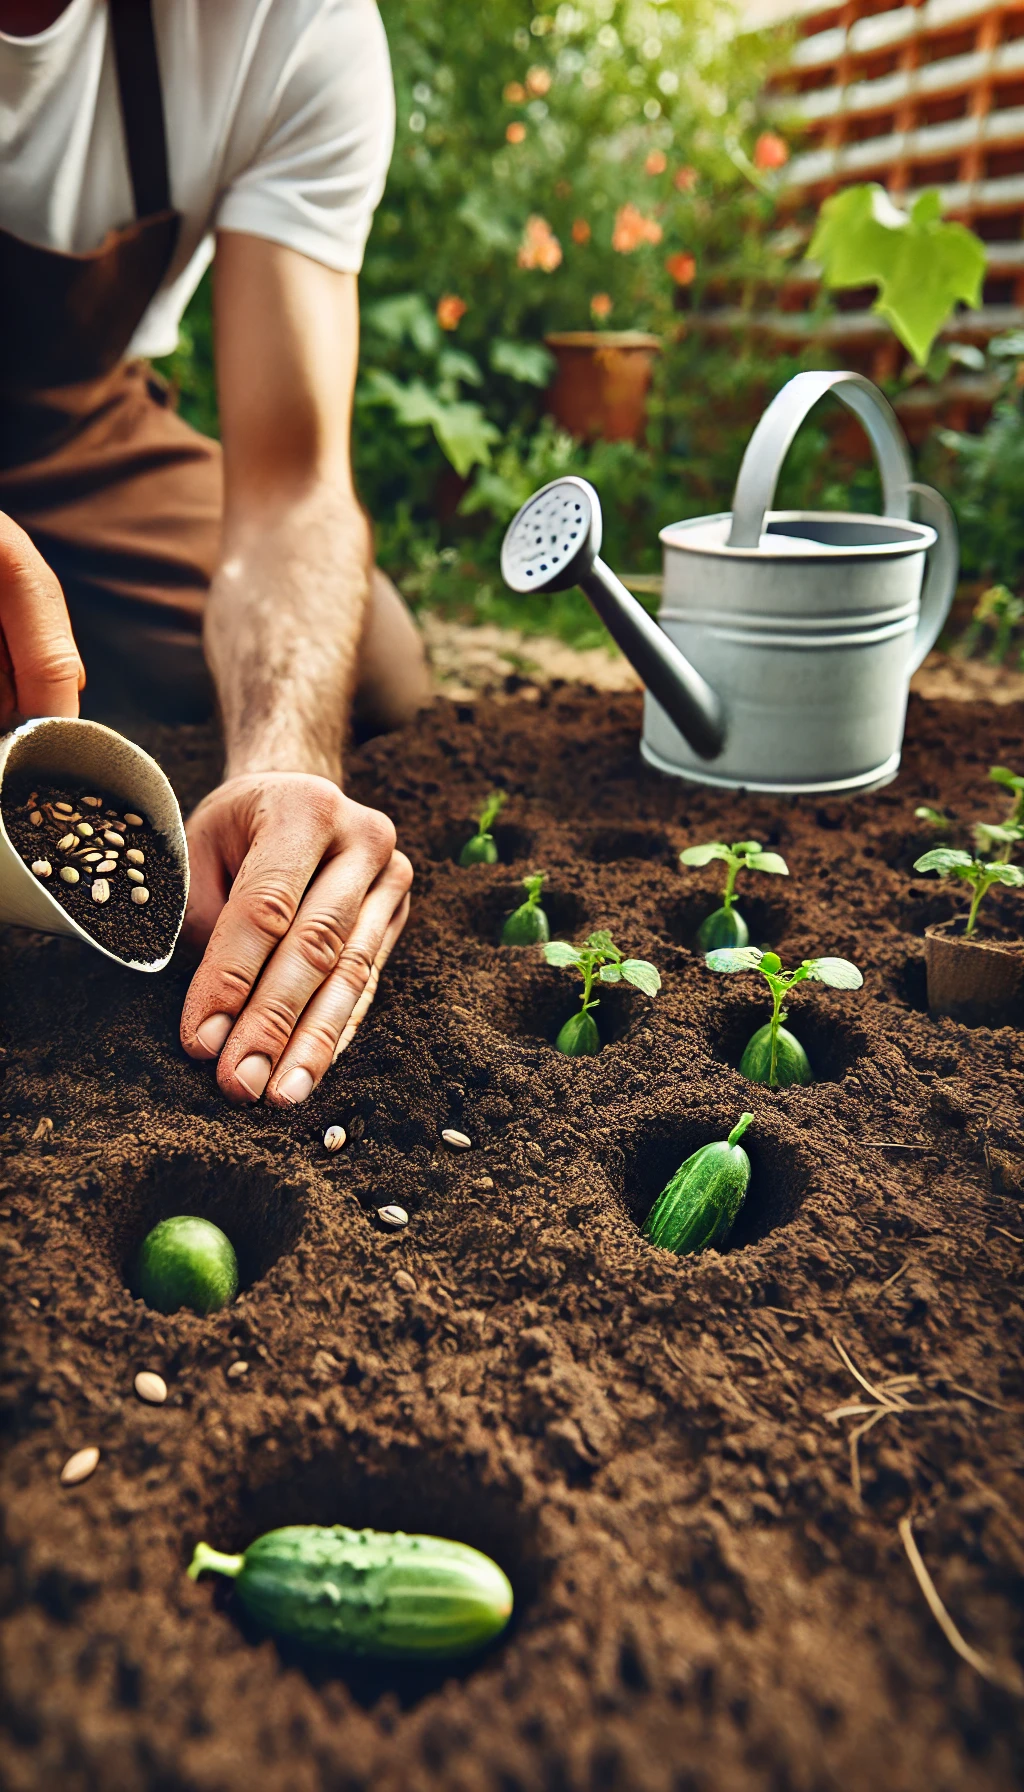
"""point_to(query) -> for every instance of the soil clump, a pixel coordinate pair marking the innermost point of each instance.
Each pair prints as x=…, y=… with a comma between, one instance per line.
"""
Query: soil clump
x=711, y=1590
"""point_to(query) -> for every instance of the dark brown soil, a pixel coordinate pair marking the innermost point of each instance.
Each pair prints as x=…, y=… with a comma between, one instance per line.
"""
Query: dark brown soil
x=704, y=1603
x=139, y=931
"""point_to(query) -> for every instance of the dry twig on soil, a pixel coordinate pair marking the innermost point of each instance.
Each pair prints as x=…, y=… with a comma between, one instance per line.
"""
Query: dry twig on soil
x=888, y=1399
x=1007, y=1675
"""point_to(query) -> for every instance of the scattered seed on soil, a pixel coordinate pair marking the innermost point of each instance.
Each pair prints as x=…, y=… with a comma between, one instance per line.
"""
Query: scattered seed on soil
x=36, y=819
x=135, y=877
x=44, y=1128
x=100, y=890
x=237, y=1370
x=79, y=1466
x=334, y=1137
x=151, y=1387
x=402, y=1279
x=142, y=931
x=134, y=856
x=457, y=1140
x=134, y=821
x=139, y=895
x=42, y=867
x=393, y=1216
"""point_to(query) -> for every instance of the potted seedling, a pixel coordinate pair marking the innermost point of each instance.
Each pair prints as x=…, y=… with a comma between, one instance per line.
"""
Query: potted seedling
x=726, y=926
x=772, y=1055
x=698, y=1207
x=976, y=981
x=597, y=960
x=528, y=924
x=481, y=848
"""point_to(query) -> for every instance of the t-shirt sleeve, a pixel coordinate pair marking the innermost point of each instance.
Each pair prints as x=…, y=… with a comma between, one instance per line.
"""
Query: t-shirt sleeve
x=313, y=131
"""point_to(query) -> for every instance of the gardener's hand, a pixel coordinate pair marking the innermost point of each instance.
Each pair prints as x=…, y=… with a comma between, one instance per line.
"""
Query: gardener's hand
x=301, y=895
x=40, y=671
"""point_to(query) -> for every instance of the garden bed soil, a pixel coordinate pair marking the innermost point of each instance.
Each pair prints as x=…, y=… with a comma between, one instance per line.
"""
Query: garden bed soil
x=705, y=1602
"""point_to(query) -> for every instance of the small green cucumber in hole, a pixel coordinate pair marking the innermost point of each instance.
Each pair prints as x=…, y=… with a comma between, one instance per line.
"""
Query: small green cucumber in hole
x=698, y=1207
x=791, y=1061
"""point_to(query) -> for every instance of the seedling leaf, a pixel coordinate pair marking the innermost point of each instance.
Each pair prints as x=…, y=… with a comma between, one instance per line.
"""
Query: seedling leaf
x=734, y=958
x=495, y=801
x=561, y=954
x=1007, y=874
x=769, y=861
x=703, y=855
x=610, y=973
x=944, y=860
x=641, y=975
x=602, y=941
x=1001, y=774
x=837, y=973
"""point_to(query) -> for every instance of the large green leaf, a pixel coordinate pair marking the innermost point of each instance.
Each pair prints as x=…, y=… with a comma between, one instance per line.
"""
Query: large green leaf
x=642, y=975
x=838, y=973
x=734, y=958
x=946, y=860
x=528, y=362
x=703, y=855
x=405, y=315
x=463, y=431
x=921, y=265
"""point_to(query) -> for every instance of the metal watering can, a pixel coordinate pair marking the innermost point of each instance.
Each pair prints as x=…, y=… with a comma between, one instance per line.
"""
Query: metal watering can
x=787, y=638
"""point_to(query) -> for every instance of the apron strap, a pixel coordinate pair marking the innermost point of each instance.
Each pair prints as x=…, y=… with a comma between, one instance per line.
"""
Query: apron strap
x=142, y=106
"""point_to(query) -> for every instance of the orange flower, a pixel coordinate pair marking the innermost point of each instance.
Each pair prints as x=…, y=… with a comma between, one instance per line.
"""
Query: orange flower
x=682, y=268
x=538, y=82
x=450, y=311
x=600, y=306
x=685, y=179
x=632, y=229
x=770, y=151
x=515, y=132
x=540, y=247
x=656, y=163
x=515, y=94
x=580, y=230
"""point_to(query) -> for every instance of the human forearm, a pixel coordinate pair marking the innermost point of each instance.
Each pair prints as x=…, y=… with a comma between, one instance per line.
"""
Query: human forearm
x=282, y=631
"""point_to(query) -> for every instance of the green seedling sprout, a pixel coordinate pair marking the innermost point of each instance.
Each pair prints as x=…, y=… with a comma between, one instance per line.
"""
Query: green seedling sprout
x=600, y=960
x=480, y=848
x=979, y=874
x=935, y=818
x=528, y=924
x=773, y=1055
x=726, y=926
x=1013, y=782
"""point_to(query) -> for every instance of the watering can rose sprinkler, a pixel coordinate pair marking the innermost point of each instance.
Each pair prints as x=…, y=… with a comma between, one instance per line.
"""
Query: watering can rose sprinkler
x=782, y=656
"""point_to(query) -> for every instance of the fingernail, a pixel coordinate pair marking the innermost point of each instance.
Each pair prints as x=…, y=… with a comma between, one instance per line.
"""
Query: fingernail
x=213, y=1032
x=254, y=1073
x=295, y=1085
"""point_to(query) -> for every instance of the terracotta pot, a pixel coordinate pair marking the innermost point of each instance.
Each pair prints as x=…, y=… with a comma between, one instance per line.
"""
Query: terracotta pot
x=977, y=982
x=602, y=381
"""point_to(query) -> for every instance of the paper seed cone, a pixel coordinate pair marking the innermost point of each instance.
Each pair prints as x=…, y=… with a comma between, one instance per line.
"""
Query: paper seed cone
x=75, y=752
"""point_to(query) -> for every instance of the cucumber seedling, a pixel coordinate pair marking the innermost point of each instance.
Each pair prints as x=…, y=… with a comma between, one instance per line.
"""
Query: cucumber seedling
x=773, y=1055
x=481, y=847
x=726, y=926
x=1014, y=783
x=698, y=1207
x=528, y=924
x=978, y=874
x=597, y=960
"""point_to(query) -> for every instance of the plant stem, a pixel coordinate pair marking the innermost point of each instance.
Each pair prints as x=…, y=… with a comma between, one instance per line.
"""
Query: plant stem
x=730, y=885
x=777, y=995
x=205, y=1557
x=980, y=887
x=588, y=984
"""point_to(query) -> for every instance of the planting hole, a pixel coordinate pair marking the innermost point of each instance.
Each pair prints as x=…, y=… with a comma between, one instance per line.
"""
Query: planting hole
x=397, y=1490
x=535, y=1007
x=606, y=846
x=566, y=913
x=260, y=1212
x=654, y=1151
x=514, y=844
x=833, y=1041
x=767, y=918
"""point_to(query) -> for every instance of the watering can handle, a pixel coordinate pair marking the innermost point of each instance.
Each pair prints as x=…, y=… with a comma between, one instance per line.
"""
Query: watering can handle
x=941, y=572
x=771, y=441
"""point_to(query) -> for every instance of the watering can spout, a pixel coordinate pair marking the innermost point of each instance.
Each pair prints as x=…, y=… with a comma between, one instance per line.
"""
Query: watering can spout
x=554, y=542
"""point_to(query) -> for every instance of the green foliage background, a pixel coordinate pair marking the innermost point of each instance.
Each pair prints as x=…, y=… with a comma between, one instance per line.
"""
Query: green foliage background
x=653, y=104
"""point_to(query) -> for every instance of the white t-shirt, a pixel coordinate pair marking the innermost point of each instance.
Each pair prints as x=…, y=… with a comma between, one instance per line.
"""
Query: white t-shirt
x=280, y=123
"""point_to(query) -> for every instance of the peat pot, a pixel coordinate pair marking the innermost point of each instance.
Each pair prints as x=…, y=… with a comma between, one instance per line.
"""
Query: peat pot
x=78, y=752
x=977, y=982
x=787, y=638
x=602, y=381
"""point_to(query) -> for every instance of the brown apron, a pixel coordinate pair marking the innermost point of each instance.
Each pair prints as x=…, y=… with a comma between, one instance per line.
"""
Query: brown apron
x=119, y=495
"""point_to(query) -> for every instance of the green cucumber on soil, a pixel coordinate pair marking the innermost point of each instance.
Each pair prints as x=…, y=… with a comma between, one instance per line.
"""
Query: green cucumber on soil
x=698, y=1207
x=481, y=848
x=579, y=1037
x=792, y=1064
x=528, y=924
x=374, y=1593
x=188, y=1262
x=723, y=927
